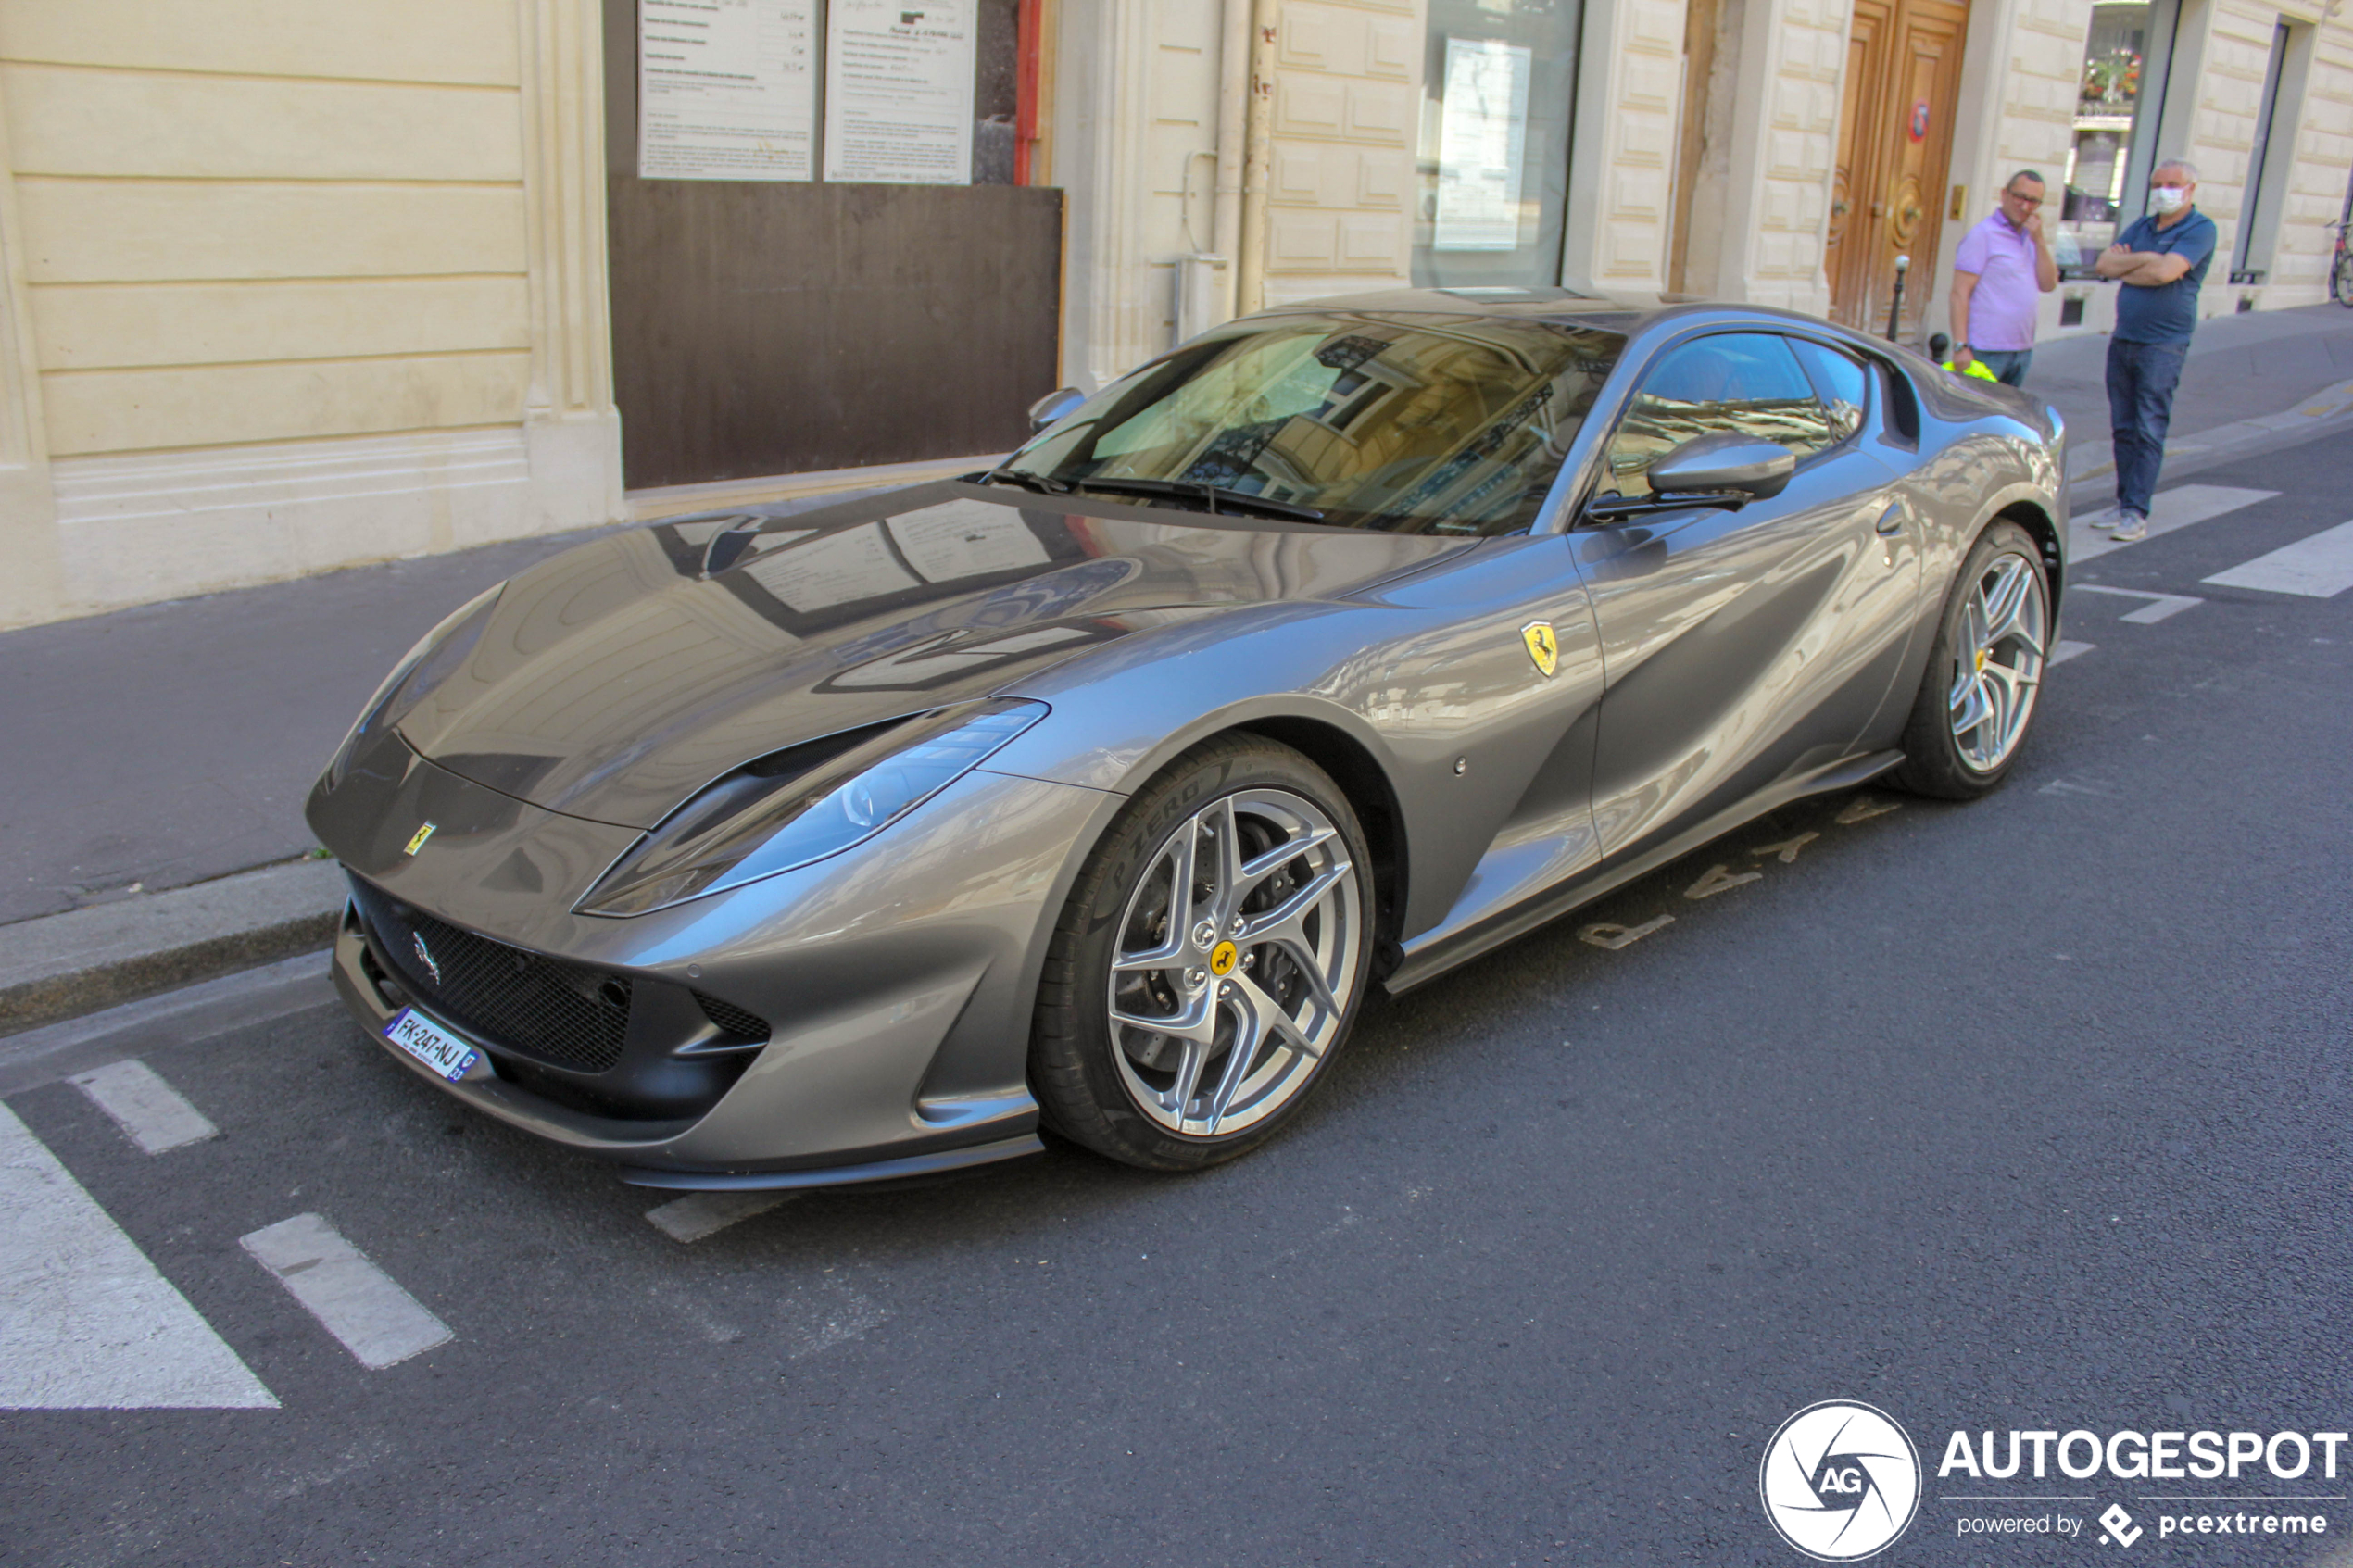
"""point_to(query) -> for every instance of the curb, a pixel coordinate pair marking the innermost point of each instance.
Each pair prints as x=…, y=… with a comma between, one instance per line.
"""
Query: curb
x=62, y=966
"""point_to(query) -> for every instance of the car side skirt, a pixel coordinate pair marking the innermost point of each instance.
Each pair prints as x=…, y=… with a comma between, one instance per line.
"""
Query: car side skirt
x=1428, y=963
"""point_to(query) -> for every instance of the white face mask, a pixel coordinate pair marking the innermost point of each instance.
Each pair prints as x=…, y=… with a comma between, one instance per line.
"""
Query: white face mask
x=2168, y=198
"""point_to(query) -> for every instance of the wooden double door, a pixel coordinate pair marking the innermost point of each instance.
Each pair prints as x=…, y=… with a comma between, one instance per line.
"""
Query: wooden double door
x=1888, y=193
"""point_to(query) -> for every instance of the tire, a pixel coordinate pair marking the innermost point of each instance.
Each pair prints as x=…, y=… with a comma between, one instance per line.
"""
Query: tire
x=2341, y=279
x=1185, y=1098
x=1967, y=729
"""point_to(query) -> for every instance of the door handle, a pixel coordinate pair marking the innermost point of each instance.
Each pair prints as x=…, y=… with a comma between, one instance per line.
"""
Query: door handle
x=1891, y=521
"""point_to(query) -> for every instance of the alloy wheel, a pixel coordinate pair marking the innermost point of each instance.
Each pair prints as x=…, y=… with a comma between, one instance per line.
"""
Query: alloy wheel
x=1999, y=653
x=1235, y=962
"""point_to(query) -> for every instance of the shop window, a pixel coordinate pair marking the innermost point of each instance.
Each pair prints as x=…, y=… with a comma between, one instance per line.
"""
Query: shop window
x=2268, y=162
x=2117, y=103
x=1499, y=86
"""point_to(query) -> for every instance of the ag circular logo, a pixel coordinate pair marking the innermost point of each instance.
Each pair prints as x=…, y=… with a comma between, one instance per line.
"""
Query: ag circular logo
x=1840, y=1480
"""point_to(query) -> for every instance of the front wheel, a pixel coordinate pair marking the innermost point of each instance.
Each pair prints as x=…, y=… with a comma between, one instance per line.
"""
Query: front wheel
x=2341, y=279
x=1210, y=962
x=1985, y=671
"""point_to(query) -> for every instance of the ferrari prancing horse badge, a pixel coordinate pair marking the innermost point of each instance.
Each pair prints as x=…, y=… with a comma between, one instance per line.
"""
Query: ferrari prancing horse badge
x=1542, y=647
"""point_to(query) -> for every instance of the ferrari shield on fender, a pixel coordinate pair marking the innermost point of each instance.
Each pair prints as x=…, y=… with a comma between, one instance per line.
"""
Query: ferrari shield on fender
x=1542, y=647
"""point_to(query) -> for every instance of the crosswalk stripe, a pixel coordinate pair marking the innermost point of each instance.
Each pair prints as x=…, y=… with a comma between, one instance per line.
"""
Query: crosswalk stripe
x=700, y=1214
x=2161, y=607
x=2319, y=567
x=2067, y=650
x=86, y=1321
x=353, y=1299
x=2178, y=507
x=143, y=1104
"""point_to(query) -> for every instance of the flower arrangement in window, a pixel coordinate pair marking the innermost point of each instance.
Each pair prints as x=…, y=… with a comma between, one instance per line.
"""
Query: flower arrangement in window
x=2111, y=80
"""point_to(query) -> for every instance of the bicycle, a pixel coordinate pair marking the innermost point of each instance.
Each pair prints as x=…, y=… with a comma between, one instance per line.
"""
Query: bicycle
x=2341, y=265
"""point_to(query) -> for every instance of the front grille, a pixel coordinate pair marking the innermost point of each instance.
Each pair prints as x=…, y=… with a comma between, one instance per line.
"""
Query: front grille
x=565, y=1014
x=733, y=1018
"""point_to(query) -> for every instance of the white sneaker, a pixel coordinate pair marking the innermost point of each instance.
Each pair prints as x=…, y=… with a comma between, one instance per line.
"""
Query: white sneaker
x=2130, y=527
x=2107, y=517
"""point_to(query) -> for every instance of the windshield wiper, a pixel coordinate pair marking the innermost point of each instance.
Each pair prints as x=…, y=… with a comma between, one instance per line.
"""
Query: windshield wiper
x=1023, y=477
x=1216, y=497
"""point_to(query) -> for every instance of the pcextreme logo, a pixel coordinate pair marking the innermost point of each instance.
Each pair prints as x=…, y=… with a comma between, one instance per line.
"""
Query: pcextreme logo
x=1841, y=1481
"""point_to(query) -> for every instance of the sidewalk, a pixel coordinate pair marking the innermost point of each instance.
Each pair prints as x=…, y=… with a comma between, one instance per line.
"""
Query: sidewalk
x=173, y=745
x=2240, y=368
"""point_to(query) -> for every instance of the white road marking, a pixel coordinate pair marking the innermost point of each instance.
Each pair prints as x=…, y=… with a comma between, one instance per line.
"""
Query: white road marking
x=2075, y=787
x=144, y=1106
x=1719, y=879
x=1862, y=808
x=2319, y=567
x=2067, y=650
x=2160, y=607
x=86, y=1322
x=691, y=1218
x=355, y=1301
x=1787, y=849
x=2178, y=507
x=843, y=1315
x=1602, y=933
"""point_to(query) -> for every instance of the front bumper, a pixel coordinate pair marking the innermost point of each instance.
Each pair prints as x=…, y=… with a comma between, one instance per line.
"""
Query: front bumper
x=375, y=998
x=896, y=984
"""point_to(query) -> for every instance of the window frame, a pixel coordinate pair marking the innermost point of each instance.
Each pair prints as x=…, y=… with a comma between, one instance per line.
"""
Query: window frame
x=1603, y=477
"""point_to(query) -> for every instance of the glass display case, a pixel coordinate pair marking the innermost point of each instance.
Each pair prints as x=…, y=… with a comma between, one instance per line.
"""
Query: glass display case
x=2108, y=102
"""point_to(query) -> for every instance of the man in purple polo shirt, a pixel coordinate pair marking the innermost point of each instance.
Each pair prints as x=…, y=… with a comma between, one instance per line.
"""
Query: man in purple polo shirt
x=2003, y=264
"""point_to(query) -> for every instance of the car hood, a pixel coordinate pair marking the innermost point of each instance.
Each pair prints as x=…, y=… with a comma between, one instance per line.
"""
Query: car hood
x=613, y=681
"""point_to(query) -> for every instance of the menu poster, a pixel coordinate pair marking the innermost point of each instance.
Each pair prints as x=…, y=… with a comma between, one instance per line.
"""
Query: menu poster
x=1482, y=144
x=726, y=89
x=898, y=91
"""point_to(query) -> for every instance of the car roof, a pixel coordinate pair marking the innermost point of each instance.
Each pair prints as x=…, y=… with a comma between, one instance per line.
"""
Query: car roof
x=1626, y=313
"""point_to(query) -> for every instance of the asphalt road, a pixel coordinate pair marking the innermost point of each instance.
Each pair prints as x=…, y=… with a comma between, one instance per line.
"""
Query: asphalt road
x=2032, y=1113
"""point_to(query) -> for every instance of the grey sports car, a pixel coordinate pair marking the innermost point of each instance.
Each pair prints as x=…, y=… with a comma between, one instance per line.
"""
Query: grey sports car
x=1093, y=792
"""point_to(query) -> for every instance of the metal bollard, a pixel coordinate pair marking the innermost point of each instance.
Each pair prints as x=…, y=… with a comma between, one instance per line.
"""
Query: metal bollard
x=1896, y=305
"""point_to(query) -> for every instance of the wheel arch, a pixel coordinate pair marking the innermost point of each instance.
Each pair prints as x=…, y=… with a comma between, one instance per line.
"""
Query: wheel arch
x=2030, y=515
x=1370, y=794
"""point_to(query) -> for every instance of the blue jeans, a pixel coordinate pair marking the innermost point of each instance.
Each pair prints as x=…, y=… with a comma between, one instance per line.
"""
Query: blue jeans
x=2008, y=365
x=2141, y=379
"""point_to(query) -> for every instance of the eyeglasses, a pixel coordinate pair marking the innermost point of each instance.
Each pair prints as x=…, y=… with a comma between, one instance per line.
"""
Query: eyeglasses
x=2022, y=201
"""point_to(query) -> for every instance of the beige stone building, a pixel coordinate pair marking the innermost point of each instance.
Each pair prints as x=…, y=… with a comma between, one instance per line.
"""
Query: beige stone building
x=291, y=286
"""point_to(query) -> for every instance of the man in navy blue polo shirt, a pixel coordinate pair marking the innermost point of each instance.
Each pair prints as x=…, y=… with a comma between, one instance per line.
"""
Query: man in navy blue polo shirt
x=2161, y=260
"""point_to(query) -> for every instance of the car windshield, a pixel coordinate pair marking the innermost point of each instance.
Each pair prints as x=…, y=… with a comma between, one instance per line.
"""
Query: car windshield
x=1411, y=425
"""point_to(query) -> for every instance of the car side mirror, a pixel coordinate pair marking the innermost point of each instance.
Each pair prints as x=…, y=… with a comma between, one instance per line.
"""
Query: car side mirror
x=1741, y=465
x=1054, y=406
x=1721, y=470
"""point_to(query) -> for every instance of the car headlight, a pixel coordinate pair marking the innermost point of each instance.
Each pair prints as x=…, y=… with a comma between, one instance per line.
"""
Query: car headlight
x=437, y=656
x=800, y=805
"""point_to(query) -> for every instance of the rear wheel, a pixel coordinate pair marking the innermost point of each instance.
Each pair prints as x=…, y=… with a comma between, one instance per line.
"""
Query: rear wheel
x=2341, y=277
x=1210, y=962
x=1985, y=673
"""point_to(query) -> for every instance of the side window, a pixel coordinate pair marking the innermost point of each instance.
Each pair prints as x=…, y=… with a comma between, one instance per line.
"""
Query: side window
x=1746, y=384
x=1841, y=380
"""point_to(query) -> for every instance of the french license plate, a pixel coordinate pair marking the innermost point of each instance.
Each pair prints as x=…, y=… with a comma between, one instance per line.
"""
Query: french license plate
x=431, y=1045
